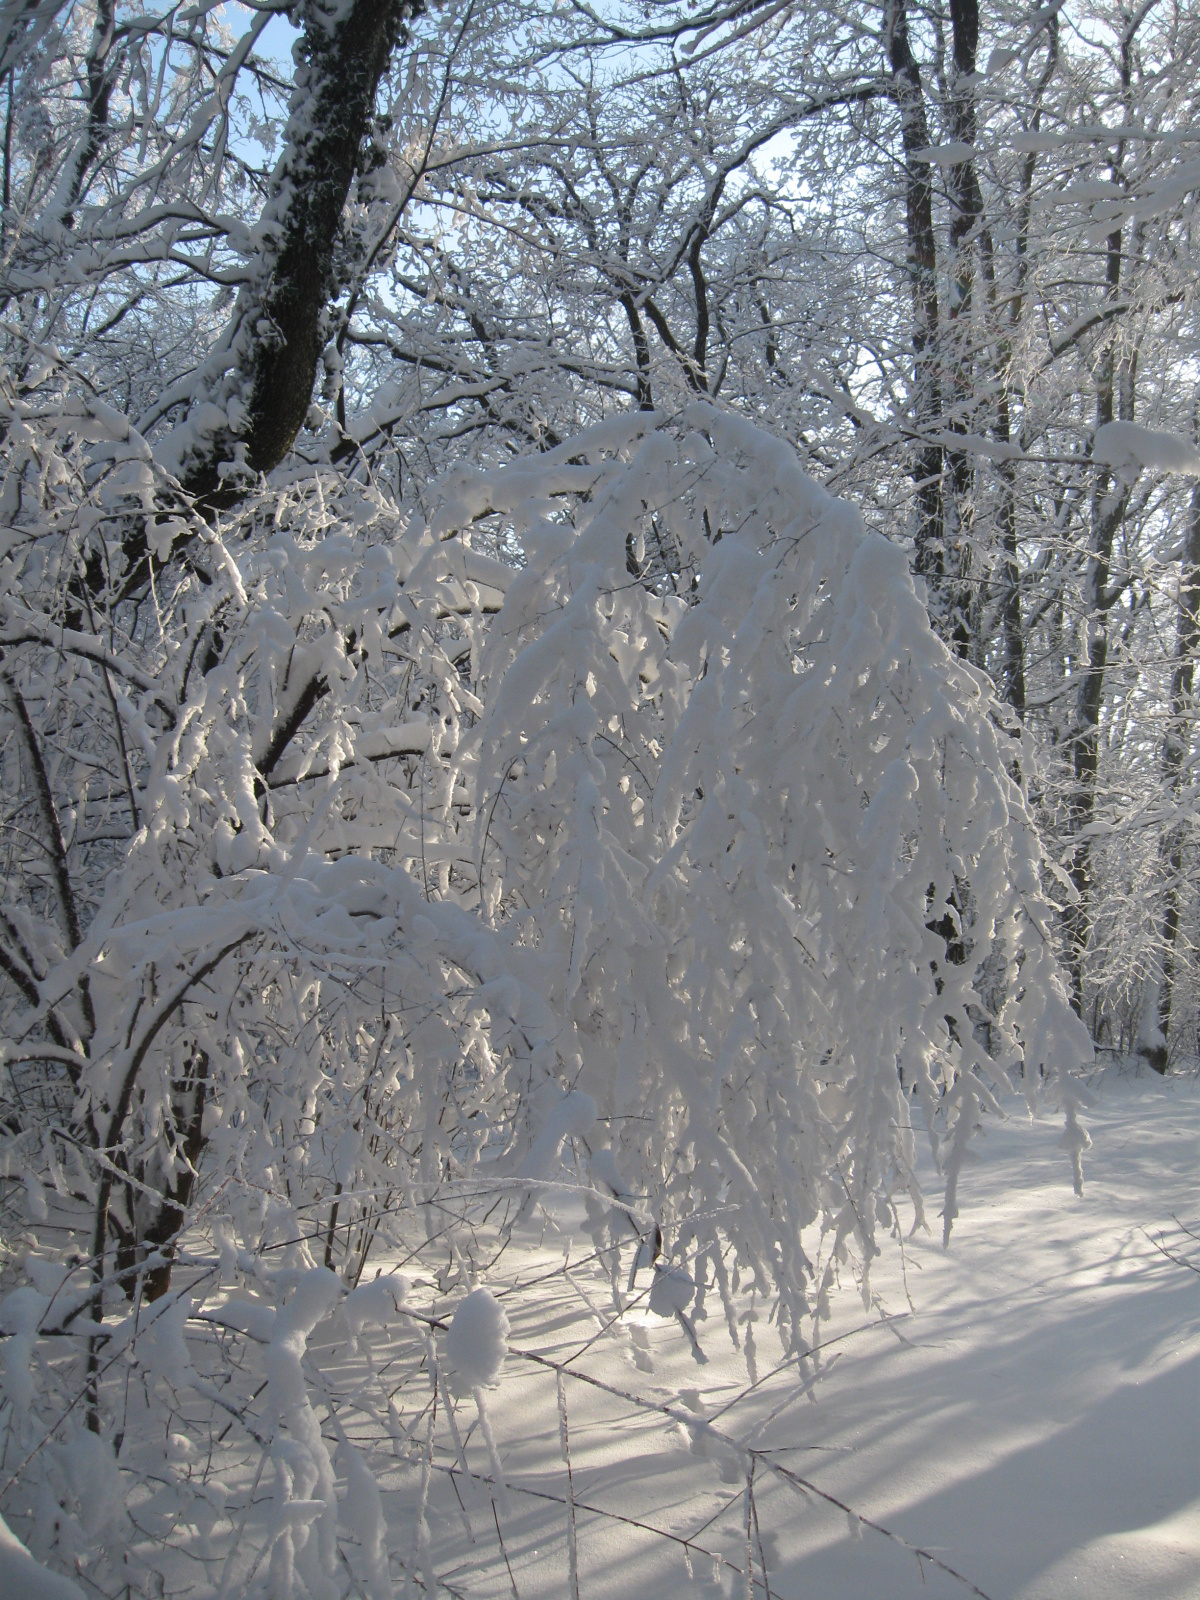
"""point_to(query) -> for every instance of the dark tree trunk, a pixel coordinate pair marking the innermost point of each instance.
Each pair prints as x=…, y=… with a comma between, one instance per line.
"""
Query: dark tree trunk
x=273, y=343
x=966, y=215
x=1012, y=674
x=1115, y=390
x=102, y=70
x=1156, y=1024
x=164, y=1227
x=922, y=273
x=1110, y=499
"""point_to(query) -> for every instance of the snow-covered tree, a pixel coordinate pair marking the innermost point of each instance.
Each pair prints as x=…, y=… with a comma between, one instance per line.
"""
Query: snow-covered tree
x=453, y=747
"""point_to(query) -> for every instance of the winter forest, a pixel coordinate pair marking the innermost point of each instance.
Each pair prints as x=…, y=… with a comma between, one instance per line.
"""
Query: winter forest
x=599, y=605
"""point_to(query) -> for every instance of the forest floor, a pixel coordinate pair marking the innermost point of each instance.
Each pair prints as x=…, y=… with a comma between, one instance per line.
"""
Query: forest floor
x=1017, y=1417
x=1033, y=1420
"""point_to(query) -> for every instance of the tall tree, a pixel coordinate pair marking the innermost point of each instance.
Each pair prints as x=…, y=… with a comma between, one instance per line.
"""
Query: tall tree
x=1180, y=731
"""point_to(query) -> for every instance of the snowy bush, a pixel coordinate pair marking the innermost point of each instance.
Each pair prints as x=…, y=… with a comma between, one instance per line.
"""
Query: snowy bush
x=618, y=815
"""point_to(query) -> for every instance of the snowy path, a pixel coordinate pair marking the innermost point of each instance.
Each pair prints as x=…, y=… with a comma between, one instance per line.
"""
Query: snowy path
x=1034, y=1421
x=1043, y=1430
x=1031, y=1423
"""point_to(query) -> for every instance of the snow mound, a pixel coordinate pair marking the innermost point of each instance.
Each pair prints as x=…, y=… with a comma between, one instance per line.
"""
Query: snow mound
x=477, y=1342
x=23, y=1578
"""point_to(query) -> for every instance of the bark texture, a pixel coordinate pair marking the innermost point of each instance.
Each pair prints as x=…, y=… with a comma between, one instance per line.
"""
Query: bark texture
x=909, y=95
x=266, y=364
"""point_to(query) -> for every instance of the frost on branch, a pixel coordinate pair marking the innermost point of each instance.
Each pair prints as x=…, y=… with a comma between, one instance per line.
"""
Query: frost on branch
x=623, y=812
x=721, y=800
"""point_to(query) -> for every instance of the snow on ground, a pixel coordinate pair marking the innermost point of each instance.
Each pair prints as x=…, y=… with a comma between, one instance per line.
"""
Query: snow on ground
x=1033, y=1421
x=1026, y=1417
x=1040, y=1428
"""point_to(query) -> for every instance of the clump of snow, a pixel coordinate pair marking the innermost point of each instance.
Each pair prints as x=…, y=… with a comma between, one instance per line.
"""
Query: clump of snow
x=23, y=1578
x=20, y=1314
x=95, y=1479
x=1126, y=444
x=35, y=1198
x=377, y=1302
x=604, y=1169
x=364, y=1513
x=161, y=1346
x=250, y=1317
x=477, y=1342
x=954, y=154
x=673, y=1290
x=573, y=1116
x=304, y=1481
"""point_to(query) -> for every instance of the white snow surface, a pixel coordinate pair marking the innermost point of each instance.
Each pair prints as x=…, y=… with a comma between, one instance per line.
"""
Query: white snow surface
x=1033, y=1420
x=1016, y=1417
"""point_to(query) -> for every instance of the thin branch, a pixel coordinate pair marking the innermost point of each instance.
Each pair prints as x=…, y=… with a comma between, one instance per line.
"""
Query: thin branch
x=53, y=843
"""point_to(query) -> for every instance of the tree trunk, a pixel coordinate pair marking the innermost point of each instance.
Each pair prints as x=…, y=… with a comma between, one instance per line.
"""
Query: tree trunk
x=102, y=73
x=260, y=380
x=922, y=272
x=1115, y=380
x=1156, y=1017
x=161, y=1231
x=966, y=201
x=1110, y=499
x=1012, y=675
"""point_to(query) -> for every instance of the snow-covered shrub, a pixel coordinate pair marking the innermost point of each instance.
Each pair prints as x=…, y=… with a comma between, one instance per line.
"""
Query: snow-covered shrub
x=606, y=809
